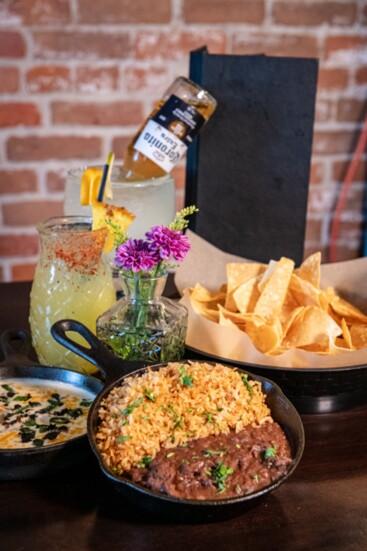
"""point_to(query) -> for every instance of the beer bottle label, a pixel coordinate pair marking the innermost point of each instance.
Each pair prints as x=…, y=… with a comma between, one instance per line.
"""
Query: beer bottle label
x=169, y=132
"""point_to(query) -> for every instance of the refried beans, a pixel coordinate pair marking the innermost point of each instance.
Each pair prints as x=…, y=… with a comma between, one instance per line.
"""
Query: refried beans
x=218, y=466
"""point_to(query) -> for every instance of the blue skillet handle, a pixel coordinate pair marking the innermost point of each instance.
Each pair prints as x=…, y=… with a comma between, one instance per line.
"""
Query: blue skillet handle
x=112, y=367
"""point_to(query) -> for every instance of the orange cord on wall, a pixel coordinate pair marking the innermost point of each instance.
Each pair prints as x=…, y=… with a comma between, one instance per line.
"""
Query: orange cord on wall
x=335, y=227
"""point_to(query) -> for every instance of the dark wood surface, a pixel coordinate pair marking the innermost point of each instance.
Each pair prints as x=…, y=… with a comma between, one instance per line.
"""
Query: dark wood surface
x=322, y=506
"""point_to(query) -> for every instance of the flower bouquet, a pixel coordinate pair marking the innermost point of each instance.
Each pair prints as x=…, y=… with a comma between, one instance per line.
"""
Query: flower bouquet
x=144, y=325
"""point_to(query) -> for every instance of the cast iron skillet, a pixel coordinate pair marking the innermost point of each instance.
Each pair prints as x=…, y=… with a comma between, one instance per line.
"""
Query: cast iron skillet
x=180, y=509
x=23, y=463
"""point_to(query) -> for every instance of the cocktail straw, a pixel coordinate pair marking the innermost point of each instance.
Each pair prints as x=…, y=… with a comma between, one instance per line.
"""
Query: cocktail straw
x=106, y=170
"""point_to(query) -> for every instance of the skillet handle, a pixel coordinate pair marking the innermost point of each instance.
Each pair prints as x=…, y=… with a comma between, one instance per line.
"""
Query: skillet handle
x=112, y=366
x=16, y=345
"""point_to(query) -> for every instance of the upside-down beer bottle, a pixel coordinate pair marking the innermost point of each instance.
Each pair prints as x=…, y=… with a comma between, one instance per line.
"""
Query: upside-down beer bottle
x=168, y=131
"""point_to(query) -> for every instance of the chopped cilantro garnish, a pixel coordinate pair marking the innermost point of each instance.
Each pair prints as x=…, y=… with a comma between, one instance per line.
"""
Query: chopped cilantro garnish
x=149, y=394
x=247, y=384
x=123, y=438
x=220, y=474
x=270, y=452
x=22, y=398
x=185, y=379
x=209, y=417
x=132, y=406
x=8, y=389
x=146, y=460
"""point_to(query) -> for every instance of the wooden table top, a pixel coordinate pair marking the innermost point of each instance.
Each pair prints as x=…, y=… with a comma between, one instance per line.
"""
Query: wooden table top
x=322, y=506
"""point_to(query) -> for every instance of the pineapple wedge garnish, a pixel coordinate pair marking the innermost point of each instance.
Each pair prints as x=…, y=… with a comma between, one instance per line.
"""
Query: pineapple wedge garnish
x=119, y=217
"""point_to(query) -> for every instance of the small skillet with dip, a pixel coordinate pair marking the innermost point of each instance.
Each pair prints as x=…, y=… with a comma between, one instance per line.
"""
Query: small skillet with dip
x=43, y=412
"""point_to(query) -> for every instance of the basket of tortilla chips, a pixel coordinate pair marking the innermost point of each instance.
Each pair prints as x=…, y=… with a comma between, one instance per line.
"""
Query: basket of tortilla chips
x=303, y=327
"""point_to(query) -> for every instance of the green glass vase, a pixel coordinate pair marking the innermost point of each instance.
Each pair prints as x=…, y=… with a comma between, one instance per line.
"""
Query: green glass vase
x=144, y=325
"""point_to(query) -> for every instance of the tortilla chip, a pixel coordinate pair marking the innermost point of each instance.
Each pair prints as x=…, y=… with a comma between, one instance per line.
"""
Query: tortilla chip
x=236, y=317
x=227, y=322
x=274, y=292
x=310, y=326
x=246, y=295
x=201, y=294
x=266, y=336
x=345, y=310
x=237, y=274
x=310, y=270
x=304, y=292
x=358, y=334
x=346, y=335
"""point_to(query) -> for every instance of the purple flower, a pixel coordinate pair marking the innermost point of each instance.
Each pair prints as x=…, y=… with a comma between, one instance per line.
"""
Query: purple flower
x=167, y=242
x=136, y=255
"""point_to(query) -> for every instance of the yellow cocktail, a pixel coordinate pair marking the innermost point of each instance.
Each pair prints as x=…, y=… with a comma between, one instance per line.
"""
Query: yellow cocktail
x=72, y=281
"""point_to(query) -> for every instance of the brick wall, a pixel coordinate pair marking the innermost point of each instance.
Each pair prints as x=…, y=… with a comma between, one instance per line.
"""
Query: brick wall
x=78, y=76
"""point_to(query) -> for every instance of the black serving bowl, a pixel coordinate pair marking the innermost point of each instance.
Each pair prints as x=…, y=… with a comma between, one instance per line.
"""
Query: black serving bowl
x=116, y=370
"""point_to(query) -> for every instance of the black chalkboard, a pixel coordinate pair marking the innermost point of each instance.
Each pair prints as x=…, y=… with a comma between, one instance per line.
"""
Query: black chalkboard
x=248, y=170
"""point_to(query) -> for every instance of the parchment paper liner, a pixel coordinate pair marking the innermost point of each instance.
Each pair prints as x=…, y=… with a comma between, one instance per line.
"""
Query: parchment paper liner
x=206, y=264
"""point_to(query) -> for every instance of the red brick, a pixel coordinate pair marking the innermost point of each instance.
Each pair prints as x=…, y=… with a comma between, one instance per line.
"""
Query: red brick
x=361, y=75
x=324, y=110
x=321, y=199
x=55, y=181
x=43, y=148
x=332, y=79
x=313, y=230
x=11, y=44
x=9, y=79
x=118, y=113
x=23, y=272
x=125, y=11
x=281, y=44
x=81, y=45
x=151, y=80
x=30, y=213
x=332, y=142
x=14, y=114
x=18, y=245
x=163, y=45
x=345, y=48
x=353, y=205
x=314, y=13
x=48, y=78
x=351, y=110
x=350, y=231
x=340, y=168
x=317, y=174
x=41, y=12
x=96, y=79
x=17, y=181
x=119, y=145
x=230, y=11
